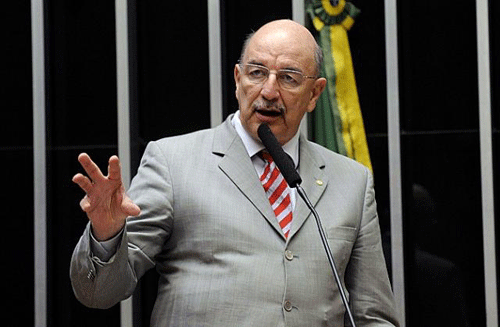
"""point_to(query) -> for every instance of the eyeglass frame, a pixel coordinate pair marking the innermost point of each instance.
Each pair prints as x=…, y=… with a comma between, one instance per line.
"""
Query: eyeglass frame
x=277, y=72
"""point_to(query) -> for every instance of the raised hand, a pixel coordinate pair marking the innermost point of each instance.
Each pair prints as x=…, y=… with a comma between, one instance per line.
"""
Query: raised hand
x=106, y=204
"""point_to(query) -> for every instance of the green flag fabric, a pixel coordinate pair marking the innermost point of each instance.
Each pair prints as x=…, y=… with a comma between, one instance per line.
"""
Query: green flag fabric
x=337, y=120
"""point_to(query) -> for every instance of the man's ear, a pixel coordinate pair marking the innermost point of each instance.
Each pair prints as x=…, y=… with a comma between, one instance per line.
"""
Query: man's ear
x=237, y=78
x=319, y=86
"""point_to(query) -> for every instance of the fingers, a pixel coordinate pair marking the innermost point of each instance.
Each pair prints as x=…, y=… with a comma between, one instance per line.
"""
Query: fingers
x=85, y=204
x=83, y=181
x=93, y=171
x=100, y=189
x=90, y=168
x=114, y=168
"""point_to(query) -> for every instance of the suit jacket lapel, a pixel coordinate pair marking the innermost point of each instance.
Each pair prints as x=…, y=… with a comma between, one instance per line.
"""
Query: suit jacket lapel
x=314, y=183
x=238, y=167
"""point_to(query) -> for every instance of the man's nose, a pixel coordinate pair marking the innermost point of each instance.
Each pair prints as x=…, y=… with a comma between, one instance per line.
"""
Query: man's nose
x=270, y=88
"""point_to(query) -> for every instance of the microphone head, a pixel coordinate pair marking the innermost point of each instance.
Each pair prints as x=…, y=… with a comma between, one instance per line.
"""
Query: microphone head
x=282, y=160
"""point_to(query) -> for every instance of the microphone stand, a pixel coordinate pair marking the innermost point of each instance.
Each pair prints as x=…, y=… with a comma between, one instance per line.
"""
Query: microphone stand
x=292, y=177
x=303, y=195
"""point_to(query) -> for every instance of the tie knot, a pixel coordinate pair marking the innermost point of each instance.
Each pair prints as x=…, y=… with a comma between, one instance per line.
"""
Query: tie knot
x=266, y=156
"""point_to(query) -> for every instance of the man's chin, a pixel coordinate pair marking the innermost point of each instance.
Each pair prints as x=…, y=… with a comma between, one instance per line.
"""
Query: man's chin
x=276, y=126
x=280, y=134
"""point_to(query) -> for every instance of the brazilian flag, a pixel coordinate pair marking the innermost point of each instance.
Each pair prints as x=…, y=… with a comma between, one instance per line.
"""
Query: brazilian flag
x=337, y=120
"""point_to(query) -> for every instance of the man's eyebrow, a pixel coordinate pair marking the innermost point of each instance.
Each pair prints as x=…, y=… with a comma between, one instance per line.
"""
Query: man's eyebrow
x=292, y=69
x=255, y=62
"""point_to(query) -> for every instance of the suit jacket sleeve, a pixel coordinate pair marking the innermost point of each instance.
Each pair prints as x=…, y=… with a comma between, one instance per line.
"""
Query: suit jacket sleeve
x=366, y=277
x=99, y=284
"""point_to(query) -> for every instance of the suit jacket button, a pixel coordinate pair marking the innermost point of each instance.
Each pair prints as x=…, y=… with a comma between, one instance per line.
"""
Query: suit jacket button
x=289, y=255
x=288, y=306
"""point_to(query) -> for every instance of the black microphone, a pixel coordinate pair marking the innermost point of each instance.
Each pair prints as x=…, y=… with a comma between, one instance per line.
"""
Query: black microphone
x=282, y=160
x=292, y=177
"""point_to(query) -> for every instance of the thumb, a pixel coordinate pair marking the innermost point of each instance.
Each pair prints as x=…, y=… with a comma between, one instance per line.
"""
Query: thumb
x=129, y=207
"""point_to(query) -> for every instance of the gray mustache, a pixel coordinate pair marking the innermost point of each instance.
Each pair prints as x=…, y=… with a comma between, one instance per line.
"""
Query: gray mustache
x=265, y=105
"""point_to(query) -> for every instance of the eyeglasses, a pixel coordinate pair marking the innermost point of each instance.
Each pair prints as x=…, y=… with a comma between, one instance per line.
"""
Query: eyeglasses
x=287, y=79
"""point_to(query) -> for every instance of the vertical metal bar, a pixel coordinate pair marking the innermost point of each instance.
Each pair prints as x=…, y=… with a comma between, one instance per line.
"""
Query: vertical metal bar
x=394, y=157
x=215, y=69
x=123, y=101
x=298, y=15
x=39, y=161
x=485, y=135
x=298, y=11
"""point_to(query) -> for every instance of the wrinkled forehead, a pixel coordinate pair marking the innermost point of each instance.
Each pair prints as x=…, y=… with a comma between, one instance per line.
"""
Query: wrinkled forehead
x=278, y=47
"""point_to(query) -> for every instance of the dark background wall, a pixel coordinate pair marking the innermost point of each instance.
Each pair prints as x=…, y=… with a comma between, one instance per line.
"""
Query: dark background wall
x=170, y=95
x=16, y=162
x=440, y=142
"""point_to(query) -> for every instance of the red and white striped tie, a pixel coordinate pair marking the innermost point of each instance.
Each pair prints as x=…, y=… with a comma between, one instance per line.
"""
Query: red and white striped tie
x=278, y=192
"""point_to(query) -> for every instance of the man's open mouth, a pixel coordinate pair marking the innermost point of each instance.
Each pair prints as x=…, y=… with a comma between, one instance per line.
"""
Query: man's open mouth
x=269, y=113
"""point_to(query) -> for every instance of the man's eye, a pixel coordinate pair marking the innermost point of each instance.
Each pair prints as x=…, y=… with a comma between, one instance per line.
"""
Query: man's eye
x=256, y=72
x=289, y=78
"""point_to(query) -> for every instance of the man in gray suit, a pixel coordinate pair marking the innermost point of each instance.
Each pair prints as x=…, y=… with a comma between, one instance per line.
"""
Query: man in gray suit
x=198, y=213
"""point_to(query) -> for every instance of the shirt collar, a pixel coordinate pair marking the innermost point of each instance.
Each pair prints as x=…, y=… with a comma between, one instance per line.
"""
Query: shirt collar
x=254, y=146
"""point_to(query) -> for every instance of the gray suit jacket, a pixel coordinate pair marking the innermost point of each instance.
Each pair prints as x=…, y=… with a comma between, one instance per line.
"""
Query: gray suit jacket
x=207, y=227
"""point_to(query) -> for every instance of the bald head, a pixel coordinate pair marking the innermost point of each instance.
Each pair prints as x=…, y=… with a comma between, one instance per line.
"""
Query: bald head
x=290, y=33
